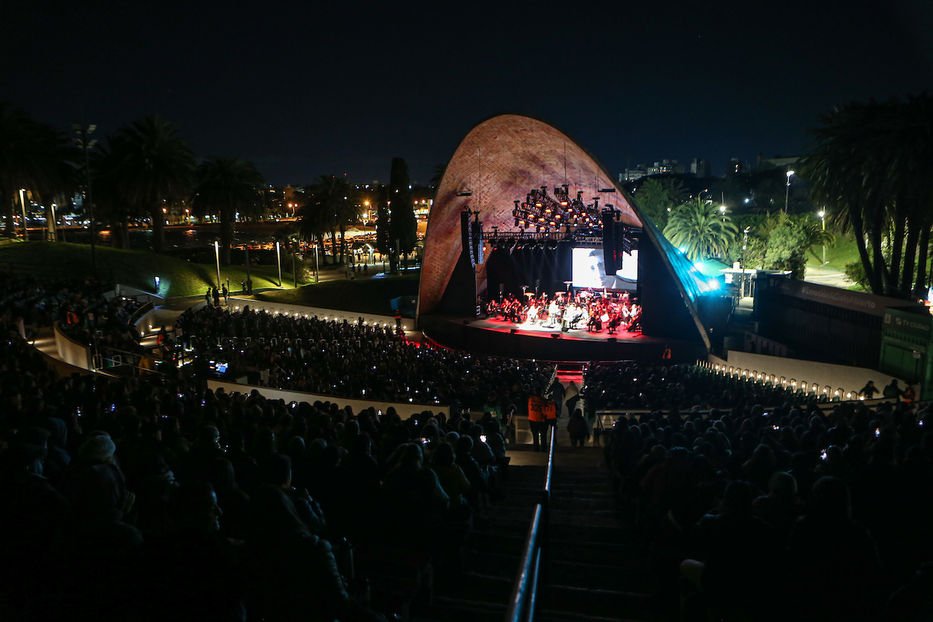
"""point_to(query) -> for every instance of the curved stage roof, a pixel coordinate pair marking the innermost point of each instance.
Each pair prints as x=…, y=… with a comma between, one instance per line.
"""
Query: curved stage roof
x=500, y=160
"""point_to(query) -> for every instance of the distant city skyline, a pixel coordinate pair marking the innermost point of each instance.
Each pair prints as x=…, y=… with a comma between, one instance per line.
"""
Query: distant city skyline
x=305, y=91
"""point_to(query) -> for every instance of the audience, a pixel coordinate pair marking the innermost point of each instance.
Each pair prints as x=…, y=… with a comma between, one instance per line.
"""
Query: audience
x=351, y=359
x=156, y=498
x=801, y=510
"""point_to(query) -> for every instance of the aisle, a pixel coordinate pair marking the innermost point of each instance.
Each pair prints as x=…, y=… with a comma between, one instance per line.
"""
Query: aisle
x=491, y=557
x=599, y=567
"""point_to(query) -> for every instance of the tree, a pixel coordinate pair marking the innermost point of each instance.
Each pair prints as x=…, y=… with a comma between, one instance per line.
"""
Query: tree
x=700, y=230
x=331, y=207
x=154, y=164
x=789, y=240
x=110, y=194
x=383, y=223
x=313, y=224
x=403, y=225
x=658, y=197
x=872, y=167
x=227, y=186
x=33, y=156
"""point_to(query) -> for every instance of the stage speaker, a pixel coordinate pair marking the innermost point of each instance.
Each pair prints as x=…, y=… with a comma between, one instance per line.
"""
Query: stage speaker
x=555, y=335
x=610, y=242
x=611, y=339
x=512, y=331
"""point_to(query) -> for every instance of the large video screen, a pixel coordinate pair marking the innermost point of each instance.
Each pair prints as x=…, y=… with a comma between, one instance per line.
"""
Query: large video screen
x=589, y=270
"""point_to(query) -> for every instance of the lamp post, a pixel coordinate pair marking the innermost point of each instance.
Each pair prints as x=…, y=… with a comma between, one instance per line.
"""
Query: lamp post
x=787, y=190
x=722, y=212
x=217, y=260
x=278, y=260
x=822, y=215
x=22, y=202
x=317, y=268
x=742, y=261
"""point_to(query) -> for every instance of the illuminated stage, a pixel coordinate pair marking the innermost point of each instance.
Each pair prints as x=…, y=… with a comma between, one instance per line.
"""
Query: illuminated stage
x=522, y=210
x=504, y=338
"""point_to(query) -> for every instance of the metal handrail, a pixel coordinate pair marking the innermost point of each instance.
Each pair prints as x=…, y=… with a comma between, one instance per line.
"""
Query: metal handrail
x=525, y=591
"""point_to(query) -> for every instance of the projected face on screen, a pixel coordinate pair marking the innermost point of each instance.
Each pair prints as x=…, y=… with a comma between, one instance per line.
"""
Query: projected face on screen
x=589, y=270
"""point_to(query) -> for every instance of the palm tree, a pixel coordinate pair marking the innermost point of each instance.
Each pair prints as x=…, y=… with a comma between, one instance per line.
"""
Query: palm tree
x=700, y=230
x=111, y=194
x=313, y=224
x=334, y=200
x=154, y=165
x=33, y=156
x=872, y=166
x=227, y=186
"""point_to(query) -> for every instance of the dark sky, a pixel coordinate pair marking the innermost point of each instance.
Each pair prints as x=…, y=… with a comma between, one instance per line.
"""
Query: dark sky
x=304, y=90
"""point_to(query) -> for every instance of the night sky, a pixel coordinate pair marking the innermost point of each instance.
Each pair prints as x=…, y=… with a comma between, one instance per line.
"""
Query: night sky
x=304, y=90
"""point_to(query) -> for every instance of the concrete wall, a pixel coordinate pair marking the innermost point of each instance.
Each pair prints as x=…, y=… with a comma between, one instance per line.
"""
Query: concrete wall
x=71, y=351
x=155, y=318
x=836, y=376
x=404, y=410
x=272, y=307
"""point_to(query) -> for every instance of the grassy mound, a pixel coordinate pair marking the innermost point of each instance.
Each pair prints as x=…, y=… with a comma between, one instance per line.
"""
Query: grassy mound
x=135, y=268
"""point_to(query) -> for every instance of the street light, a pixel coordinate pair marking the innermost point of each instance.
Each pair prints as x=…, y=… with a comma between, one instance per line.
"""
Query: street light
x=822, y=215
x=22, y=202
x=722, y=212
x=787, y=189
x=278, y=259
x=217, y=259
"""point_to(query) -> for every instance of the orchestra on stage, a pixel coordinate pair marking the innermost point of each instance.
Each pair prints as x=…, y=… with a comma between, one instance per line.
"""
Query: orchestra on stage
x=591, y=310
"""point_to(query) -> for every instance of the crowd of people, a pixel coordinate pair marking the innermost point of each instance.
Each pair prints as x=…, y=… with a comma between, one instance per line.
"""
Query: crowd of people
x=590, y=310
x=352, y=359
x=766, y=506
x=631, y=385
x=155, y=498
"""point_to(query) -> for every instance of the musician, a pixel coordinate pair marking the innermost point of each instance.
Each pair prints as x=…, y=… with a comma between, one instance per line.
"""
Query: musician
x=634, y=322
x=553, y=313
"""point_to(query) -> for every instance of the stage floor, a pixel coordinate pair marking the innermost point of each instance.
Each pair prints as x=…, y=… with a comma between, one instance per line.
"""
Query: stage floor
x=503, y=338
x=538, y=330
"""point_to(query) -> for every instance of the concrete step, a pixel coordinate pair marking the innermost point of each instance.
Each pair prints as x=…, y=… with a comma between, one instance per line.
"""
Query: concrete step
x=596, y=602
x=445, y=608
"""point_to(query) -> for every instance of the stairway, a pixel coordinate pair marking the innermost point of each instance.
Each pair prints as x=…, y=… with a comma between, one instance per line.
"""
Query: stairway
x=598, y=567
x=570, y=372
x=491, y=557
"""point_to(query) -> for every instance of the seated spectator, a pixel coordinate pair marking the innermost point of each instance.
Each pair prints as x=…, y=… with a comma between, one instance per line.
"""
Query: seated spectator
x=833, y=559
x=192, y=572
x=293, y=573
x=781, y=507
x=738, y=557
x=277, y=472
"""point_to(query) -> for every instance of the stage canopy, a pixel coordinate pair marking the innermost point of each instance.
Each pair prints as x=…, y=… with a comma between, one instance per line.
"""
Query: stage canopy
x=499, y=161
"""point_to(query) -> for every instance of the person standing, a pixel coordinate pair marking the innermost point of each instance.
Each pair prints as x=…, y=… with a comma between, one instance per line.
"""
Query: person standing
x=577, y=429
x=536, y=421
x=557, y=394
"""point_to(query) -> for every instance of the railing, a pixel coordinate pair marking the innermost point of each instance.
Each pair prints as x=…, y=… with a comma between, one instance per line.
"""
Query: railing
x=123, y=362
x=823, y=393
x=524, y=596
